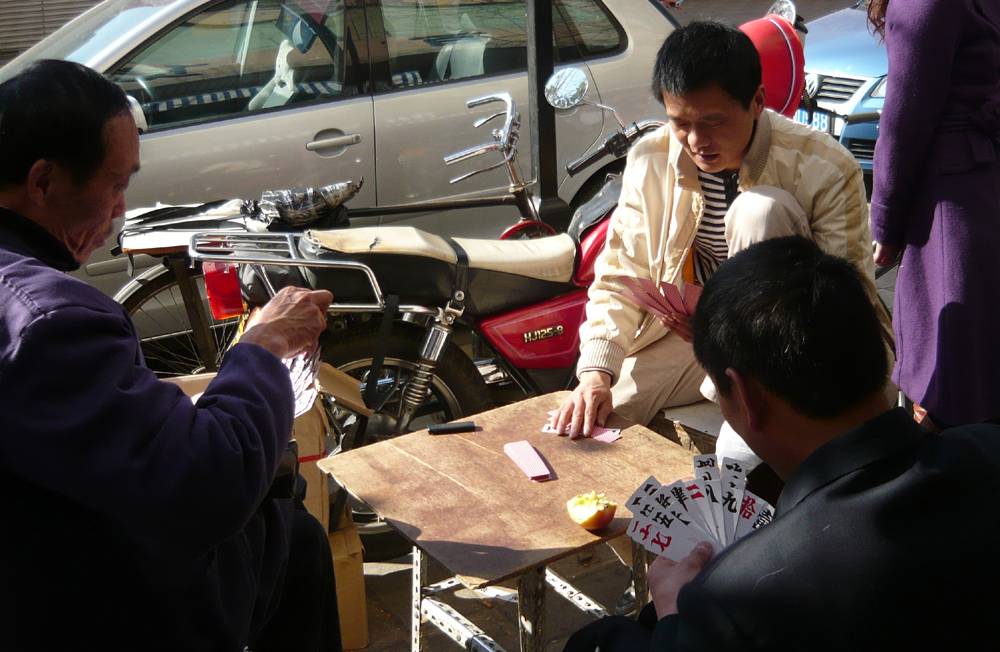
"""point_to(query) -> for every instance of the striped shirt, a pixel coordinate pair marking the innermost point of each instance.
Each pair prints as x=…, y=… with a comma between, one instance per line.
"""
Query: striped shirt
x=710, y=247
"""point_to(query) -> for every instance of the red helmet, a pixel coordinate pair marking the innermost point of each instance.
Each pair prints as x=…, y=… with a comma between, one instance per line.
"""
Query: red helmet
x=781, y=61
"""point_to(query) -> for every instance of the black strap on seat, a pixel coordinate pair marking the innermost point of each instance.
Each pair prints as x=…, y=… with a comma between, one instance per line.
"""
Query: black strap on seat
x=461, y=288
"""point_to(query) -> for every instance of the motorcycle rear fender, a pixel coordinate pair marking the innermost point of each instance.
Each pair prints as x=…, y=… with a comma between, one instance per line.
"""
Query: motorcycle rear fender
x=140, y=281
x=542, y=336
x=590, y=249
x=590, y=228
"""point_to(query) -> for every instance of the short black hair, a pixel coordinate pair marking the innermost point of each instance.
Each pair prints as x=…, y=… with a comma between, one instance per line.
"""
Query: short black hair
x=55, y=110
x=703, y=53
x=797, y=320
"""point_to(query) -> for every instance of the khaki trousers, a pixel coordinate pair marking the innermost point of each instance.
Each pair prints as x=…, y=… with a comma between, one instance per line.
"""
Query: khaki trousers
x=665, y=373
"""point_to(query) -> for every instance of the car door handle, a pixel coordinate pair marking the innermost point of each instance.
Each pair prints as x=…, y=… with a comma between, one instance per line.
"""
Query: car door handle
x=336, y=141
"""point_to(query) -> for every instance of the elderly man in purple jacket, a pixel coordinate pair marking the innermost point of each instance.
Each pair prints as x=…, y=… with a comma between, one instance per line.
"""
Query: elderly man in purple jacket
x=130, y=518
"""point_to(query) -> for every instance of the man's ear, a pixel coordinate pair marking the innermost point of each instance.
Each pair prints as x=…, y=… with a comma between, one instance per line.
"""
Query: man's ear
x=759, y=101
x=750, y=398
x=41, y=177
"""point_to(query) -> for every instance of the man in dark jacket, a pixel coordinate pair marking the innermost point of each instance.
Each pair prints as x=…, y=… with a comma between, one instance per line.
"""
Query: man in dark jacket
x=883, y=536
x=130, y=518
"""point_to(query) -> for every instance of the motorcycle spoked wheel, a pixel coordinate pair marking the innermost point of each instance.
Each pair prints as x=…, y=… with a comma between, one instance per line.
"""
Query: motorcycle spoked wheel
x=458, y=390
x=165, y=333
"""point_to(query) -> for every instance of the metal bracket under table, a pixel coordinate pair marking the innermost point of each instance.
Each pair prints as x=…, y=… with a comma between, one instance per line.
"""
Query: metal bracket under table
x=531, y=588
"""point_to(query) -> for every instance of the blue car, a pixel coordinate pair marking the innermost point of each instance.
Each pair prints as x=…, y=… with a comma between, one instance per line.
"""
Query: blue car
x=846, y=68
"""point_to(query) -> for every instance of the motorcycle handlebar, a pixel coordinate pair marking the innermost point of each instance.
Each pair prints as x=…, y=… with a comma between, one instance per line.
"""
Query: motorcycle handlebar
x=617, y=144
x=587, y=160
x=503, y=138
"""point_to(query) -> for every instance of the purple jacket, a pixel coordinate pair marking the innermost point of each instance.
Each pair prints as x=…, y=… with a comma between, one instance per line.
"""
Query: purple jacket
x=937, y=192
x=129, y=517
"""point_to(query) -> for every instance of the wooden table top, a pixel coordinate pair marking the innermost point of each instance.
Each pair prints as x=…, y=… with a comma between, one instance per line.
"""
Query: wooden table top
x=467, y=505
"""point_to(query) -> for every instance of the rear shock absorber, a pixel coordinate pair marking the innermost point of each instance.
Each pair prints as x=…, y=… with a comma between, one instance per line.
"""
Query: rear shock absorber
x=418, y=389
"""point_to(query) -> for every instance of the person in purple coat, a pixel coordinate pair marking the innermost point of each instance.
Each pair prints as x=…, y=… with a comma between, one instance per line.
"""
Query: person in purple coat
x=130, y=517
x=936, y=201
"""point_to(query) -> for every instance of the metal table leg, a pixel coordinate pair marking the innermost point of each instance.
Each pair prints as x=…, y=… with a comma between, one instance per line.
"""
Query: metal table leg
x=419, y=580
x=531, y=609
x=639, y=565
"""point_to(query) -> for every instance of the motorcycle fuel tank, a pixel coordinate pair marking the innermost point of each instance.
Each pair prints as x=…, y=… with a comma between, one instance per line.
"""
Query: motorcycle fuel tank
x=542, y=336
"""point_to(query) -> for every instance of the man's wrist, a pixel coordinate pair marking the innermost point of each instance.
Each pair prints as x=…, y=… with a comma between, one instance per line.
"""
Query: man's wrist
x=262, y=337
x=601, y=374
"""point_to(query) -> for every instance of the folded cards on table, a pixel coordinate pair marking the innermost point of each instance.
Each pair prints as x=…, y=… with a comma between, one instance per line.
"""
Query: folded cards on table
x=663, y=298
x=671, y=519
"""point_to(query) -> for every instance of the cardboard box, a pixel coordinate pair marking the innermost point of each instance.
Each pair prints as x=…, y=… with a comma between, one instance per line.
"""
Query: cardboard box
x=192, y=385
x=309, y=431
x=348, y=566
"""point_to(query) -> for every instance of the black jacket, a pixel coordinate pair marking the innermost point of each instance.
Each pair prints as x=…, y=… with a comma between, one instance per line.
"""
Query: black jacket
x=885, y=538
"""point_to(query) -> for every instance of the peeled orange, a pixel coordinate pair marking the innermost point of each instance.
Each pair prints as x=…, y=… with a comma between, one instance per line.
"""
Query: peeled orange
x=593, y=511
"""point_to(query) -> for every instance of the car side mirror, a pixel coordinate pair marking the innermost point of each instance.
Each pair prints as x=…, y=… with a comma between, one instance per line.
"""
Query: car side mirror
x=137, y=114
x=566, y=88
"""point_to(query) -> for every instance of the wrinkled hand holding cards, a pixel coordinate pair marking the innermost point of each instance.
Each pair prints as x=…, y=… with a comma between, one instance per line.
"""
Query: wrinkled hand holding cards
x=670, y=520
x=661, y=299
x=303, y=369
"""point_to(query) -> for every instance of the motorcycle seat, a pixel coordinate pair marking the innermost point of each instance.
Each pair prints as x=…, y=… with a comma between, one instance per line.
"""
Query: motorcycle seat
x=420, y=267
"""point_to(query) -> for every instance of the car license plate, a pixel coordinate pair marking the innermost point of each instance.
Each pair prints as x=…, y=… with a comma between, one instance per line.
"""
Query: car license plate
x=821, y=120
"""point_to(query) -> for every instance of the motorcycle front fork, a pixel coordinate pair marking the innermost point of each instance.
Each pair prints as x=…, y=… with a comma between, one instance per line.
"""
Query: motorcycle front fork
x=418, y=389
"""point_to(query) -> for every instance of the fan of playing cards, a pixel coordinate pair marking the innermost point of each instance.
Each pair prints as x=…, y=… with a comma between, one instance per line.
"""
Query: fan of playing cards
x=662, y=299
x=303, y=369
x=670, y=520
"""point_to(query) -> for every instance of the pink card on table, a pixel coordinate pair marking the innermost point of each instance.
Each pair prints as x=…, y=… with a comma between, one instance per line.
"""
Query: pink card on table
x=528, y=460
x=607, y=435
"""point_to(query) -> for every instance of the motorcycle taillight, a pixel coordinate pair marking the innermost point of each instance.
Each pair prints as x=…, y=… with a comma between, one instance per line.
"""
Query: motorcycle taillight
x=222, y=284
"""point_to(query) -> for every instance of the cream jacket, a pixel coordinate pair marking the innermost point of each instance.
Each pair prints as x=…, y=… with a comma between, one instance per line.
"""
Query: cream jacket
x=661, y=205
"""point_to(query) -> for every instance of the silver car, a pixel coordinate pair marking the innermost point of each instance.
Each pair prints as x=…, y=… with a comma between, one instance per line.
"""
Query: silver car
x=240, y=96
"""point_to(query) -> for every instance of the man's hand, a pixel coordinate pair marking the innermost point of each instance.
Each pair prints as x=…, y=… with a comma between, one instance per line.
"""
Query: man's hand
x=589, y=403
x=678, y=324
x=290, y=322
x=667, y=577
x=886, y=255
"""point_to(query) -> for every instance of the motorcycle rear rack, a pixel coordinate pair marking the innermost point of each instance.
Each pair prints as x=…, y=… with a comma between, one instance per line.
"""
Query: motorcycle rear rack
x=260, y=249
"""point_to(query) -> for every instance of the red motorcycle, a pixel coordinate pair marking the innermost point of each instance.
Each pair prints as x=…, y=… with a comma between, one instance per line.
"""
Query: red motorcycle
x=449, y=319
x=435, y=322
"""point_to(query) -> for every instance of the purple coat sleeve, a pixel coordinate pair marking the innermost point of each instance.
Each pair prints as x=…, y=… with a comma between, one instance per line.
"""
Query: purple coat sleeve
x=89, y=421
x=922, y=38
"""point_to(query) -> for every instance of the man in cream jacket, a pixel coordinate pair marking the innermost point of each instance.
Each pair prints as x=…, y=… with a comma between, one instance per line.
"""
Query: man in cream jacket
x=723, y=174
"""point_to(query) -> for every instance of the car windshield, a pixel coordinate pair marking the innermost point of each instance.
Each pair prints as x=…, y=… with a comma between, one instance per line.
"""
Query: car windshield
x=99, y=28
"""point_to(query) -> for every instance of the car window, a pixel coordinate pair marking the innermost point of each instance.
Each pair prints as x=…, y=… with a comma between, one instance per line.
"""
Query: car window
x=238, y=57
x=430, y=41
